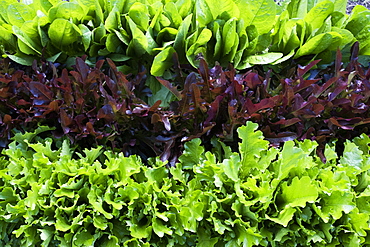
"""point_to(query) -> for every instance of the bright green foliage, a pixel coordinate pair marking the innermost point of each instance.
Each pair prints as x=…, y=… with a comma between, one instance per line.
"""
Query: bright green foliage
x=242, y=32
x=259, y=196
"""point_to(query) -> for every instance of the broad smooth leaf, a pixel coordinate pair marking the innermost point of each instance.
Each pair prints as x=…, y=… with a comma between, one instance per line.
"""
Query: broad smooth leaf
x=162, y=61
x=260, y=13
x=63, y=33
x=31, y=42
x=318, y=14
x=139, y=43
x=20, y=13
x=140, y=15
x=319, y=44
x=66, y=10
x=266, y=58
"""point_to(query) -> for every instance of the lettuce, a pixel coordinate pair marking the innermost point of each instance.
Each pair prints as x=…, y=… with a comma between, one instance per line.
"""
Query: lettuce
x=258, y=196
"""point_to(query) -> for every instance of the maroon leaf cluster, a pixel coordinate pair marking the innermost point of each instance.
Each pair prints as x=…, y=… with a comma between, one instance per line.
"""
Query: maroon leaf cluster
x=101, y=106
x=320, y=105
x=90, y=106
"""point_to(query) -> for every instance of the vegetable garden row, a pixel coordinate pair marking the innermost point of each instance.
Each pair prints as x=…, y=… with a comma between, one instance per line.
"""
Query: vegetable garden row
x=184, y=123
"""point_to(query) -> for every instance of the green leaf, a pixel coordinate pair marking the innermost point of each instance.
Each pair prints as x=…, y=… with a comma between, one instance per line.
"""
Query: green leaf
x=201, y=40
x=359, y=222
x=44, y=149
x=260, y=13
x=297, y=8
x=167, y=34
x=63, y=33
x=192, y=154
x=229, y=36
x=251, y=146
x=139, y=43
x=86, y=35
x=299, y=192
x=205, y=11
x=22, y=59
x=96, y=200
x=32, y=43
x=284, y=217
x=266, y=58
x=320, y=43
x=46, y=235
x=333, y=204
x=318, y=14
x=66, y=10
x=162, y=62
x=352, y=155
x=83, y=238
x=231, y=167
x=113, y=21
x=20, y=13
x=172, y=13
x=179, y=44
x=113, y=43
x=159, y=228
x=140, y=15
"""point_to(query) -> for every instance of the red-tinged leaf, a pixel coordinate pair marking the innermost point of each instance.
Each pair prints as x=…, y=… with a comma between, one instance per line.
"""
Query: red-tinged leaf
x=213, y=110
x=52, y=107
x=304, y=84
x=204, y=73
x=91, y=130
x=169, y=86
x=237, y=87
x=166, y=154
x=355, y=98
x=22, y=102
x=325, y=86
x=264, y=104
x=99, y=64
x=104, y=93
x=82, y=67
x=199, y=134
x=281, y=137
x=106, y=113
x=339, y=88
x=155, y=106
x=341, y=102
x=298, y=102
x=7, y=119
x=304, y=69
x=249, y=106
x=287, y=122
x=4, y=93
x=156, y=118
x=65, y=121
x=346, y=124
x=78, y=78
x=186, y=93
x=289, y=96
x=65, y=81
x=40, y=91
x=112, y=65
x=112, y=85
x=364, y=121
x=266, y=81
x=197, y=100
x=252, y=80
x=318, y=109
